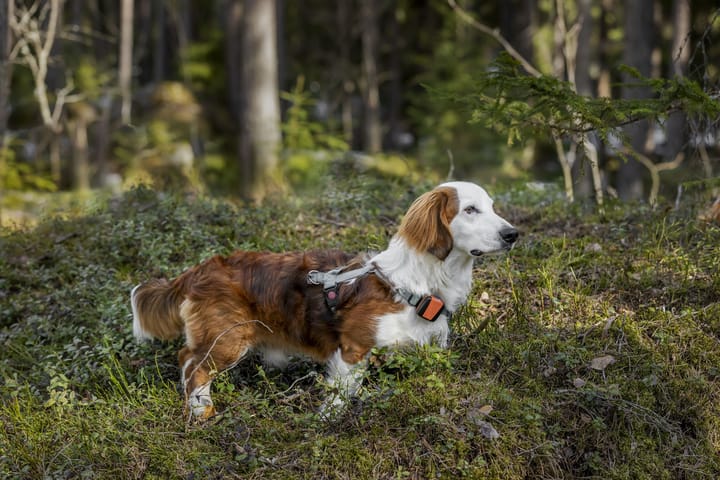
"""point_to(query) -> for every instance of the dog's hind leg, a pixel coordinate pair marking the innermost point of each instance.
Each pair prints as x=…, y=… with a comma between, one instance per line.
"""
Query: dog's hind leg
x=211, y=348
x=199, y=368
x=196, y=380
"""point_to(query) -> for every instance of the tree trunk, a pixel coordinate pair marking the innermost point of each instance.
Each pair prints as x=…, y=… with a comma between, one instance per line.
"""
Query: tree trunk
x=395, y=130
x=675, y=129
x=343, y=65
x=639, y=40
x=517, y=25
x=233, y=58
x=603, y=84
x=6, y=11
x=102, y=140
x=125, y=56
x=260, y=114
x=582, y=173
x=80, y=166
x=370, y=55
x=158, y=41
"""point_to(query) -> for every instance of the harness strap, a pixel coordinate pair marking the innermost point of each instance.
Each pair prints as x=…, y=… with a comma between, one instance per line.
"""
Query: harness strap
x=428, y=307
x=334, y=277
x=332, y=280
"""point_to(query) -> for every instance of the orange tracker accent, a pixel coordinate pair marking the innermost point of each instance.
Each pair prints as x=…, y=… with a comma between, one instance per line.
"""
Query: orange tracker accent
x=430, y=308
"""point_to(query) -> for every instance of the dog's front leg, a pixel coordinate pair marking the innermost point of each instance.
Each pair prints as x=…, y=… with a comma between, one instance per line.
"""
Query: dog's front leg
x=345, y=380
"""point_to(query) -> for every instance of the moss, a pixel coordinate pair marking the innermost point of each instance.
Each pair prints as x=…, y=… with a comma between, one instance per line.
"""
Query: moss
x=81, y=399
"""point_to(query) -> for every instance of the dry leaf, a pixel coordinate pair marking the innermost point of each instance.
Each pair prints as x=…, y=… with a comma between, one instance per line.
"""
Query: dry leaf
x=486, y=409
x=601, y=363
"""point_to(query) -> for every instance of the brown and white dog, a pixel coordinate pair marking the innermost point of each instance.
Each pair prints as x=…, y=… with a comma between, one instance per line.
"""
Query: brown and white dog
x=227, y=306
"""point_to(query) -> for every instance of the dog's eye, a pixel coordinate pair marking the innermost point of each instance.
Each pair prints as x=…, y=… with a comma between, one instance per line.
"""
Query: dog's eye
x=471, y=209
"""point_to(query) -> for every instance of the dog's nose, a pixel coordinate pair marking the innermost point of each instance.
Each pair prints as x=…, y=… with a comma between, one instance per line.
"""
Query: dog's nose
x=509, y=235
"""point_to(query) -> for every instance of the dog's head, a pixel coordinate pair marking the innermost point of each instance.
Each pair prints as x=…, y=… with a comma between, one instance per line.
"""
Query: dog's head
x=456, y=216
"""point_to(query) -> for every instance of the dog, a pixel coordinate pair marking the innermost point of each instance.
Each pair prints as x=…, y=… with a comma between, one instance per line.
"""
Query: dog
x=329, y=305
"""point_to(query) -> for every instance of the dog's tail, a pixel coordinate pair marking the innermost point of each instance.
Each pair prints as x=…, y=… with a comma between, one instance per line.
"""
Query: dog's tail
x=156, y=309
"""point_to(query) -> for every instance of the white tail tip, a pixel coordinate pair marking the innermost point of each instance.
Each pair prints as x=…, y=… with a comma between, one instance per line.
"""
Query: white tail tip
x=138, y=331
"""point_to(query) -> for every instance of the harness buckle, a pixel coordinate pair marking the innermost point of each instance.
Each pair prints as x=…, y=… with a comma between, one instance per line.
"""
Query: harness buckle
x=314, y=277
x=331, y=297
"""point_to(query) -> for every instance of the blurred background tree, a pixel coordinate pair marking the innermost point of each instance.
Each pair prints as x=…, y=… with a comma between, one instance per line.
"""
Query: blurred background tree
x=189, y=94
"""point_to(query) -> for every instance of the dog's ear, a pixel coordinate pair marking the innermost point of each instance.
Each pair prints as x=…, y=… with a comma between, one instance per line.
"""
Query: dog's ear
x=426, y=225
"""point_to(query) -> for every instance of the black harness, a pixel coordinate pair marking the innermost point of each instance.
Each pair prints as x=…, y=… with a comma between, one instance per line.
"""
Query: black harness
x=429, y=307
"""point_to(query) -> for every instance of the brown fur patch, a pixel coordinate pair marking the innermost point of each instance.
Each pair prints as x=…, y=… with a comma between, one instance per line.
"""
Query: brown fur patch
x=261, y=299
x=426, y=226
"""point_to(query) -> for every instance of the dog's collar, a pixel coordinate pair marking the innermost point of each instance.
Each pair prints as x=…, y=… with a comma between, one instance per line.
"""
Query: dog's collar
x=428, y=306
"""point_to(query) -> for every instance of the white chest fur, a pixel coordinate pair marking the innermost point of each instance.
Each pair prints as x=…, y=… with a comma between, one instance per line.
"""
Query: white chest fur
x=406, y=327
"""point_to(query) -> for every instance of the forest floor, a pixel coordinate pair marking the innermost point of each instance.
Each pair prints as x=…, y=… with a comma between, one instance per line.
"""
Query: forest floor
x=592, y=350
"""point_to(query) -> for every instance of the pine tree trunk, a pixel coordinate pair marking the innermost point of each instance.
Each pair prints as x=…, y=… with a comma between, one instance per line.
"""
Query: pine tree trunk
x=675, y=129
x=260, y=107
x=518, y=25
x=6, y=10
x=371, y=97
x=158, y=46
x=343, y=32
x=582, y=172
x=639, y=41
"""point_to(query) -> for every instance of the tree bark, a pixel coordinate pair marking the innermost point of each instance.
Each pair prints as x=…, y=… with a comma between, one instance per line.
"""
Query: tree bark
x=396, y=88
x=125, y=56
x=80, y=166
x=260, y=113
x=6, y=11
x=639, y=41
x=582, y=172
x=370, y=55
x=343, y=64
x=233, y=58
x=675, y=129
x=159, y=63
x=518, y=25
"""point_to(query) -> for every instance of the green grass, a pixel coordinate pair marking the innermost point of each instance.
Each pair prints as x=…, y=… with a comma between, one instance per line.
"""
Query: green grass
x=516, y=395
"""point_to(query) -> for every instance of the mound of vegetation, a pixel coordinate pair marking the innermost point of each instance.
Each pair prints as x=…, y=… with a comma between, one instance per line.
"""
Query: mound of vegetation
x=591, y=350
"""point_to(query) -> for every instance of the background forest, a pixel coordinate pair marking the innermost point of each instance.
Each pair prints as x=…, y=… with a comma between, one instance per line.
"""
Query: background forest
x=247, y=97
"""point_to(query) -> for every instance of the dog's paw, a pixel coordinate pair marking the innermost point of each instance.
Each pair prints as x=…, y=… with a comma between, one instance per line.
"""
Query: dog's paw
x=203, y=412
x=200, y=403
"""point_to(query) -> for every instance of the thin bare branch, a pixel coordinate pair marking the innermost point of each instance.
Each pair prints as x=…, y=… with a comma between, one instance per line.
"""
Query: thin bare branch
x=655, y=169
